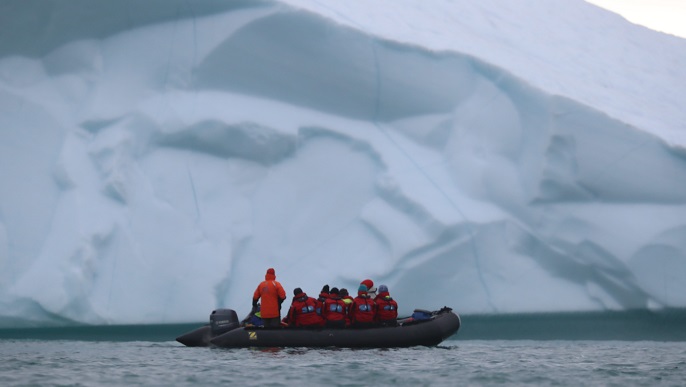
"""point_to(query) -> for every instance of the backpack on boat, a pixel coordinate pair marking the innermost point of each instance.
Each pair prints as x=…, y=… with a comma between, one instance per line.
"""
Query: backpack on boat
x=254, y=318
x=421, y=315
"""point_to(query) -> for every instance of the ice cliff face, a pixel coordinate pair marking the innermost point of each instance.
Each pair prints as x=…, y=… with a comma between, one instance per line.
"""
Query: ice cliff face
x=157, y=157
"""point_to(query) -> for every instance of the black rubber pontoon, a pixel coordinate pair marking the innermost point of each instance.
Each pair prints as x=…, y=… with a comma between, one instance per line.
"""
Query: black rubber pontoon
x=441, y=325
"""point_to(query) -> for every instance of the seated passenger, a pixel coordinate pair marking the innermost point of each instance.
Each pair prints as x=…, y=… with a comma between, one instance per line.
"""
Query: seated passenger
x=303, y=311
x=335, y=311
x=362, y=310
x=386, y=308
x=345, y=296
x=323, y=295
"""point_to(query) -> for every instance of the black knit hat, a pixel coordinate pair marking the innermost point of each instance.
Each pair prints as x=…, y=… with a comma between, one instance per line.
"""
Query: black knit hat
x=334, y=290
x=297, y=291
x=343, y=292
x=325, y=289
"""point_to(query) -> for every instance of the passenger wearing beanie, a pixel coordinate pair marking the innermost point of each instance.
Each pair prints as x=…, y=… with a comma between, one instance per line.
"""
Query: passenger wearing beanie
x=303, y=311
x=335, y=311
x=362, y=310
x=386, y=308
x=272, y=294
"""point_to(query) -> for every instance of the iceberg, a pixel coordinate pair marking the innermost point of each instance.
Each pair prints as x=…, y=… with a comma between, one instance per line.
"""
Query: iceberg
x=496, y=157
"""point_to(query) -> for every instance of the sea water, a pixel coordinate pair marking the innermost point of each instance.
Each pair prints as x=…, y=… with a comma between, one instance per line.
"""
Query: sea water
x=633, y=348
x=31, y=362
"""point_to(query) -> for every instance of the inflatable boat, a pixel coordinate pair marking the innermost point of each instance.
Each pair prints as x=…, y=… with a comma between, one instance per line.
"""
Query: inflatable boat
x=427, y=328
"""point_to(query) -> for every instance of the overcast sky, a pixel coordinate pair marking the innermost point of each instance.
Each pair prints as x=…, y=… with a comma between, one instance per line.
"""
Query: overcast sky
x=662, y=15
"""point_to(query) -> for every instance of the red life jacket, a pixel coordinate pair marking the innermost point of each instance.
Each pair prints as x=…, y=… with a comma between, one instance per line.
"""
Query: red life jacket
x=334, y=309
x=386, y=307
x=362, y=309
x=303, y=312
x=320, y=303
x=348, y=303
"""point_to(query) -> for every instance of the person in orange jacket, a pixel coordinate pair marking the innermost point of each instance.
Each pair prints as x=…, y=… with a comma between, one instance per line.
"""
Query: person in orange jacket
x=272, y=294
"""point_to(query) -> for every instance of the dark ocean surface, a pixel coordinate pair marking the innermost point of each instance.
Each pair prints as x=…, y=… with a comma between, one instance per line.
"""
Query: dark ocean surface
x=628, y=348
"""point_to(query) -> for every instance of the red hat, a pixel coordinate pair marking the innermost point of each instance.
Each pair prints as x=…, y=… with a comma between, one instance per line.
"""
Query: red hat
x=368, y=283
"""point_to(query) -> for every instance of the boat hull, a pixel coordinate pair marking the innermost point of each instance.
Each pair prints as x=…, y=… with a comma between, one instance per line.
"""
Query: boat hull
x=431, y=332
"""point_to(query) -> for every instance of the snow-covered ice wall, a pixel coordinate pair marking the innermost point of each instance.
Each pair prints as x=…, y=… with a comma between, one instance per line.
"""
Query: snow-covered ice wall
x=157, y=157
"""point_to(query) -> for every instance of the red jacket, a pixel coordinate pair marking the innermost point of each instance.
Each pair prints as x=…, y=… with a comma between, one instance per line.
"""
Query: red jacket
x=334, y=309
x=386, y=307
x=362, y=309
x=303, y=312
x=272, y=294
x=348, y=302
x=320, y=303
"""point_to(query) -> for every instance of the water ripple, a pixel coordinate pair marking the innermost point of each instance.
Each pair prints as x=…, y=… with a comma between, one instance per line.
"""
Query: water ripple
x=52, y=363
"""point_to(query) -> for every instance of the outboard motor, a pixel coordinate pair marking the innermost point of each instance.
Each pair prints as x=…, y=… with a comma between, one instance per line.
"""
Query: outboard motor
x=223, y=320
